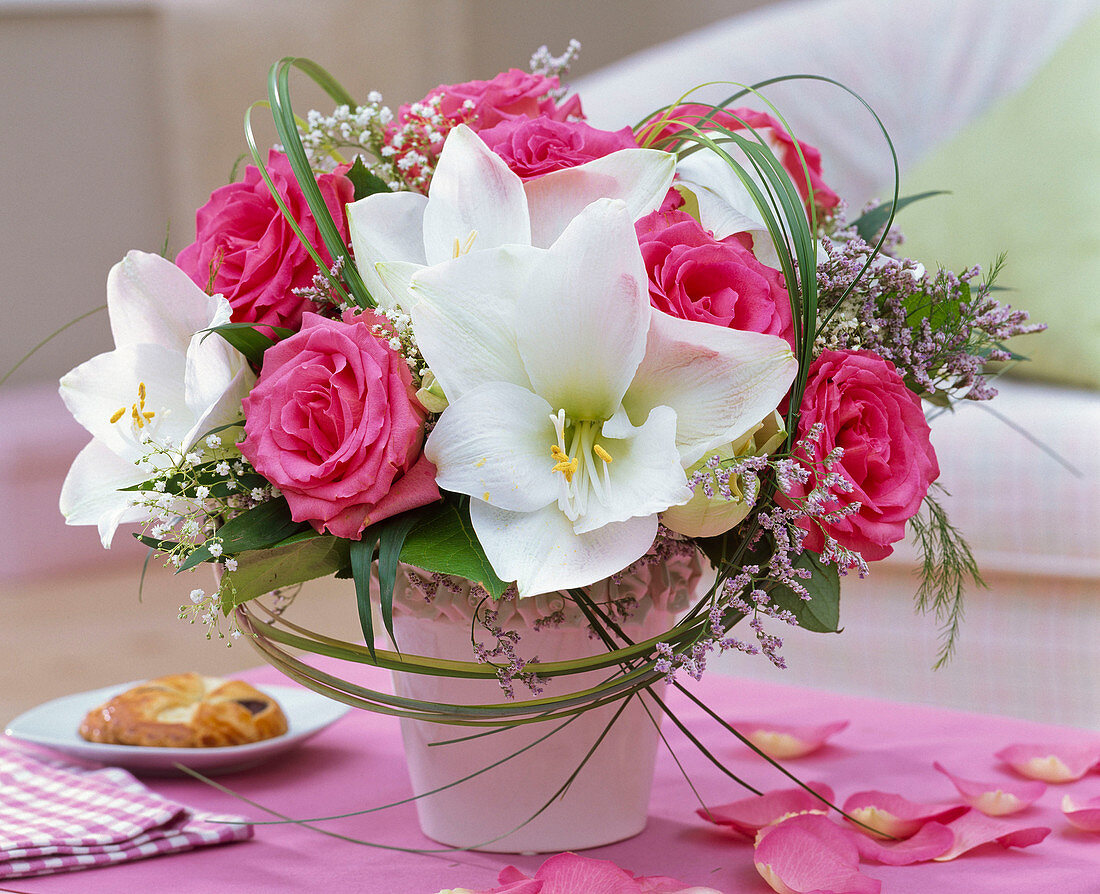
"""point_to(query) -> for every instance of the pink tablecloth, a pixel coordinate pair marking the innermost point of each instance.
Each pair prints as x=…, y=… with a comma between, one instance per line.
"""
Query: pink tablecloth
x=358, y=763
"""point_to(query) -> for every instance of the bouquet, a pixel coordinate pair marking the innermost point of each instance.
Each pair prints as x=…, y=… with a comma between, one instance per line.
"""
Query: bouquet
x=480, y=338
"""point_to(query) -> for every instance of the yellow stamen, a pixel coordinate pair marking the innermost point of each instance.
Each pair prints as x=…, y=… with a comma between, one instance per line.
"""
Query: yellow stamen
x=117, y=414
x=601, y=453
x=141, y=392
x=457, y=248
x=567, y=467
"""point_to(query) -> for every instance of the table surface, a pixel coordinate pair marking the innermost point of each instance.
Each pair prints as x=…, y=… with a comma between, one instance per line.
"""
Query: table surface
x=359, y=763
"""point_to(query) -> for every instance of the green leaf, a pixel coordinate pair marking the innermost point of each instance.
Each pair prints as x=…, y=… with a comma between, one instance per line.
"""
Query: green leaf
x=875, y=219
x=259, y=528
x=391, y=539
x=249, y=340
x=822, y=613
x=362, y=555
x=303, y=557
x=365, y=181
x=443, y=541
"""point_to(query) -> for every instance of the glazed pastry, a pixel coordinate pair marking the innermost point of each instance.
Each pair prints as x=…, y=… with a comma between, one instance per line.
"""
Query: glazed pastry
x=186, y=711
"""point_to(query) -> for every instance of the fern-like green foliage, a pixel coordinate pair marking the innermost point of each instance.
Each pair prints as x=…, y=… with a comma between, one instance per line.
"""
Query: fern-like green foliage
x=948, y=568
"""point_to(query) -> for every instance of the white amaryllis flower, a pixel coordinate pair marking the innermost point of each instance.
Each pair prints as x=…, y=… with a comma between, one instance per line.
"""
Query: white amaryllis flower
x=476, y=202
x=163, y=386
x=574, y=406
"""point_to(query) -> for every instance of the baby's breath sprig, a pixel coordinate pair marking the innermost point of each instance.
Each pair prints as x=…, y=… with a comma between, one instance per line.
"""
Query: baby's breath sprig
x=205, y=609
x=360, y=131
x=543, y=63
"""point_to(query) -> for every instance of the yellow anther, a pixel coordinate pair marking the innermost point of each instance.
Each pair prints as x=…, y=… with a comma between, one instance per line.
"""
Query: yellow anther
x=557, y=452
x=567, y=467
x=601, y=453
x=457, y=248
x=141, y=392
x=117, y=414
x=149, y=414
x=461, y=248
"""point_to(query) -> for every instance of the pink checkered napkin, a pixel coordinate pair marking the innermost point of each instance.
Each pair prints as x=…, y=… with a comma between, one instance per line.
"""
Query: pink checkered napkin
x=56, y=817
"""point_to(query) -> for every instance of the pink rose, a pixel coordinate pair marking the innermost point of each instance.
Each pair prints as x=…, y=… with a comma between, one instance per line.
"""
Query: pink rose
x=334, y=423
x=694, y=276
x=246, y=249
x=866, y=408
x=536, y=146
x=783, y=144
x=510, y=94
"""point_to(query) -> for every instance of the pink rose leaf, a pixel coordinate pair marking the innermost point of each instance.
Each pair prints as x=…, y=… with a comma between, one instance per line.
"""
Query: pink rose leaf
x=749, y=815
x=1085, y=816
x=810, y=854
x=973, y=829
x=932, y=840
x=895, y=816
x=570, y=873
x=995, y=798
x=1051, y=762
x=783, y=741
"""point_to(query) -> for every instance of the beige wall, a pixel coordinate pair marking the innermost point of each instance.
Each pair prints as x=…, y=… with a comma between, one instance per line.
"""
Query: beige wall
x=121, y=117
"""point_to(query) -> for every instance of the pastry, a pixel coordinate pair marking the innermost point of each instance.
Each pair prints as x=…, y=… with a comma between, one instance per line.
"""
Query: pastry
x=186, y=711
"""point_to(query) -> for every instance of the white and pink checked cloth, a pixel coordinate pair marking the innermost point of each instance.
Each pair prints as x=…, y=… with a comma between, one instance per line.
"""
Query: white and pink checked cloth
x=57, y=817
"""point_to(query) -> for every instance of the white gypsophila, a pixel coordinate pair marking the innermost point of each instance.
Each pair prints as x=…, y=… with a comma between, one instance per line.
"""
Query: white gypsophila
x=161, y=389
x=476, y=203
x=574, y=406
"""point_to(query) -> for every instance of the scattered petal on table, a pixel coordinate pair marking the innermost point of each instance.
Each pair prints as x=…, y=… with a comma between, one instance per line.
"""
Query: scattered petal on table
x=750, y=815
x=995, y=798
x=897, y=816
x=1052, y=763
x=931, y=841
x=570, y=873
x=783, y=741
x=1084, y=816
x=974, y=829
x=810, y=853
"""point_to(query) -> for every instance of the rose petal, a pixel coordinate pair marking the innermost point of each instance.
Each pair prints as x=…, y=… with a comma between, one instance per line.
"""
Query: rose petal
x=570, y=873
x=1052, y=763
x=995, y=798
x=932, y=840
x=973, y=829
x=896, y=816
x=1084, y=816
x=810, y=853
x=783, y=741
x=752, y=814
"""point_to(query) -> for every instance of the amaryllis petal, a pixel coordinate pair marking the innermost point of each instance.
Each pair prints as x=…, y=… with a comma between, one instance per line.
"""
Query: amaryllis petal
x=931, y=841
x=973, y=829
x=995, y=798
x=456, y=217
x=895, y=815
x=386, y=226
x=749, y=815
x=640, y=177
x=1085, y=816
x=810, y=853
x=1052, y=763
x=92, y=495
x=783, y=741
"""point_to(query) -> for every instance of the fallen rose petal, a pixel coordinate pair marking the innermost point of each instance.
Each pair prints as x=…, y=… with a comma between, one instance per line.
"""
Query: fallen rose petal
x=973, y=829
x=995, y=798
x=1052, y=763
x=895, y=816
x=931, y=841
x=1084, y=816
x=810, y=853
x=571, y=873
x=750, y=815
x=782, y=741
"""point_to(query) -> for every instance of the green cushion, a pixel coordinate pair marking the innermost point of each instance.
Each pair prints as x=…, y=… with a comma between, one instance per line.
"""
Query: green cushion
x=1025, y=180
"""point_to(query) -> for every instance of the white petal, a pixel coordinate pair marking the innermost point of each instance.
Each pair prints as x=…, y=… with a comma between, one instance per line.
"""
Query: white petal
x=151, y=301
x=720, y=381
x=395, y=277
x=96, y=389
x=464, y=318
x=494, y=444
x=91, y=495
x=473, y=192
x=645, y=472
x=540, y=551
x=725, y=204
x=583, y=320
x=216, y=375
x=640, y=177
x=386, y=226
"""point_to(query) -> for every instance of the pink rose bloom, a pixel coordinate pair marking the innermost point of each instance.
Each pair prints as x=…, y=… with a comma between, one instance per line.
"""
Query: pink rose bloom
x=866, y=408
x=536, y=146
x=510, y=94
x=246, y=250
x=784, y=145
x=694, y=276
x=334, y=423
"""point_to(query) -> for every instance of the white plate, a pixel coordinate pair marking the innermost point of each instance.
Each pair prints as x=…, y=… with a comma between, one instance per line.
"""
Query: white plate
x=54, y=725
